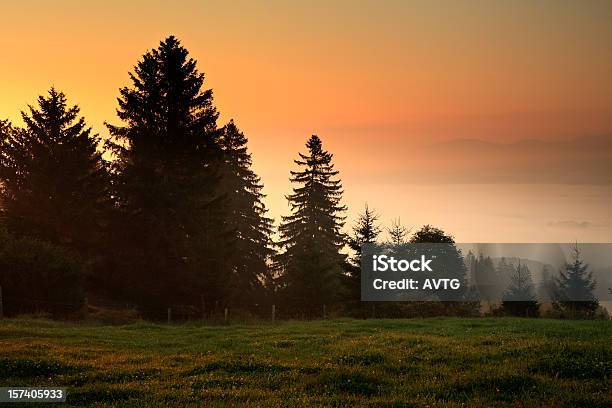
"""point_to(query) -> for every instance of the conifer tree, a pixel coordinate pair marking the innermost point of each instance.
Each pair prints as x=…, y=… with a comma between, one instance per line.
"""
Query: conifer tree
x=6, y=129
x=502, y=276
x=397, y=233
x=453, y=268
x=470, y=266
x=311, y=265
x=365, y=231
x=171, y=232
x=519, y=298
x=575, y=287
x=246, y=220
x=55, y=183
x=485, y=273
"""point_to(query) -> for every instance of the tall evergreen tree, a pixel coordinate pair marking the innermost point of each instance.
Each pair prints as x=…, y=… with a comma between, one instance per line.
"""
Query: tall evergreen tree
x=54, y=181
x=486, y=281
x=470, y=267
x=398, y=234
x=247, y=220
x=311, y=264
x=365, y=231
x=503, y=275
x=171, y=232
x=519, y=299
x=575, y=287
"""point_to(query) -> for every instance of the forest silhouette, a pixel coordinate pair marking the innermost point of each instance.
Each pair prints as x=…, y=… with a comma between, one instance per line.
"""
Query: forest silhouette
x=176, y=218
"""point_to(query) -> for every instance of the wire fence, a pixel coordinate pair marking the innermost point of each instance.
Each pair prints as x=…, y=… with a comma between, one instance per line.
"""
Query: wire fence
x=19, y=305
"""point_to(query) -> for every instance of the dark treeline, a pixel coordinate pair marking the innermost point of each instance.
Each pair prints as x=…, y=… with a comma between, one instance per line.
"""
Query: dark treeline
x=173, y=215
x=568, y=293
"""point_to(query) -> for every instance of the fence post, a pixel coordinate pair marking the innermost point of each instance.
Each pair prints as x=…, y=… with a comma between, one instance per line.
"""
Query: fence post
x=1, y=308
x=273, y=313
x=169, y=315
x=324, y=312
x=225, y=314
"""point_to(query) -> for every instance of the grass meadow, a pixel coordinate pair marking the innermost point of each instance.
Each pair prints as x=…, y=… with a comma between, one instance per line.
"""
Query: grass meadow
x=441, y=362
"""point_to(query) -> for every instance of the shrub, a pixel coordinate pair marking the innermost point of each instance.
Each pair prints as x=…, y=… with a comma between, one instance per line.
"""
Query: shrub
x=39, y=277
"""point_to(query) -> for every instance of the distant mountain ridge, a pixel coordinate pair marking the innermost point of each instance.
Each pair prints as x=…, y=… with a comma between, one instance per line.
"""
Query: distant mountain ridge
x=600, y=141
x=585, y=160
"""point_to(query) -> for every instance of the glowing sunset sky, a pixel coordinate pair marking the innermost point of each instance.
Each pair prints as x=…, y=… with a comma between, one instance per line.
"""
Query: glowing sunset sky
x=393, y=88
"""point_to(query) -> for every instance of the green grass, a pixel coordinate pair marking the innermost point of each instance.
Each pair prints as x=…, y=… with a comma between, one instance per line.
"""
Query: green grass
x=444, y=362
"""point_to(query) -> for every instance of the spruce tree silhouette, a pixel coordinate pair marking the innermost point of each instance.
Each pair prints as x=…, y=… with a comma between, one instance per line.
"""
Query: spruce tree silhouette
x=575, y=285
x=55, y=183
x=502, y=277
x=397, y=233
x=365, y=231
x=519, y=298
x=171, y=232
x=252, y=229
x=486, y=278
x=311, y=265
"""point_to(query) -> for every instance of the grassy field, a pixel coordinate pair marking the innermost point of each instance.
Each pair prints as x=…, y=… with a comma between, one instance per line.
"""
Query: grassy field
x=389, y=363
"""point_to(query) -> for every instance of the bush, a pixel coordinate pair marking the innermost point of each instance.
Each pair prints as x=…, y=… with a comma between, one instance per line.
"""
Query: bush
x=37, y=277
x=519, y=308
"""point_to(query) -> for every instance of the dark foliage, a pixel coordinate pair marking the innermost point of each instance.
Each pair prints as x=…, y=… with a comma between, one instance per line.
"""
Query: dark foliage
x=455, y=269
x=251, y=249
x=519, y=299
x=311, y=265
x=398, y=234
x=55, y=183
x=38, y=277
x=486, y=277
x=365, y=231
x=453, y=260
x=171, y=231
x=574, y=296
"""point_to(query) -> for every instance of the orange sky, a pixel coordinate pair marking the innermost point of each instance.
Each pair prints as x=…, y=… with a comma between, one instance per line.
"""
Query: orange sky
x=376, y=80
